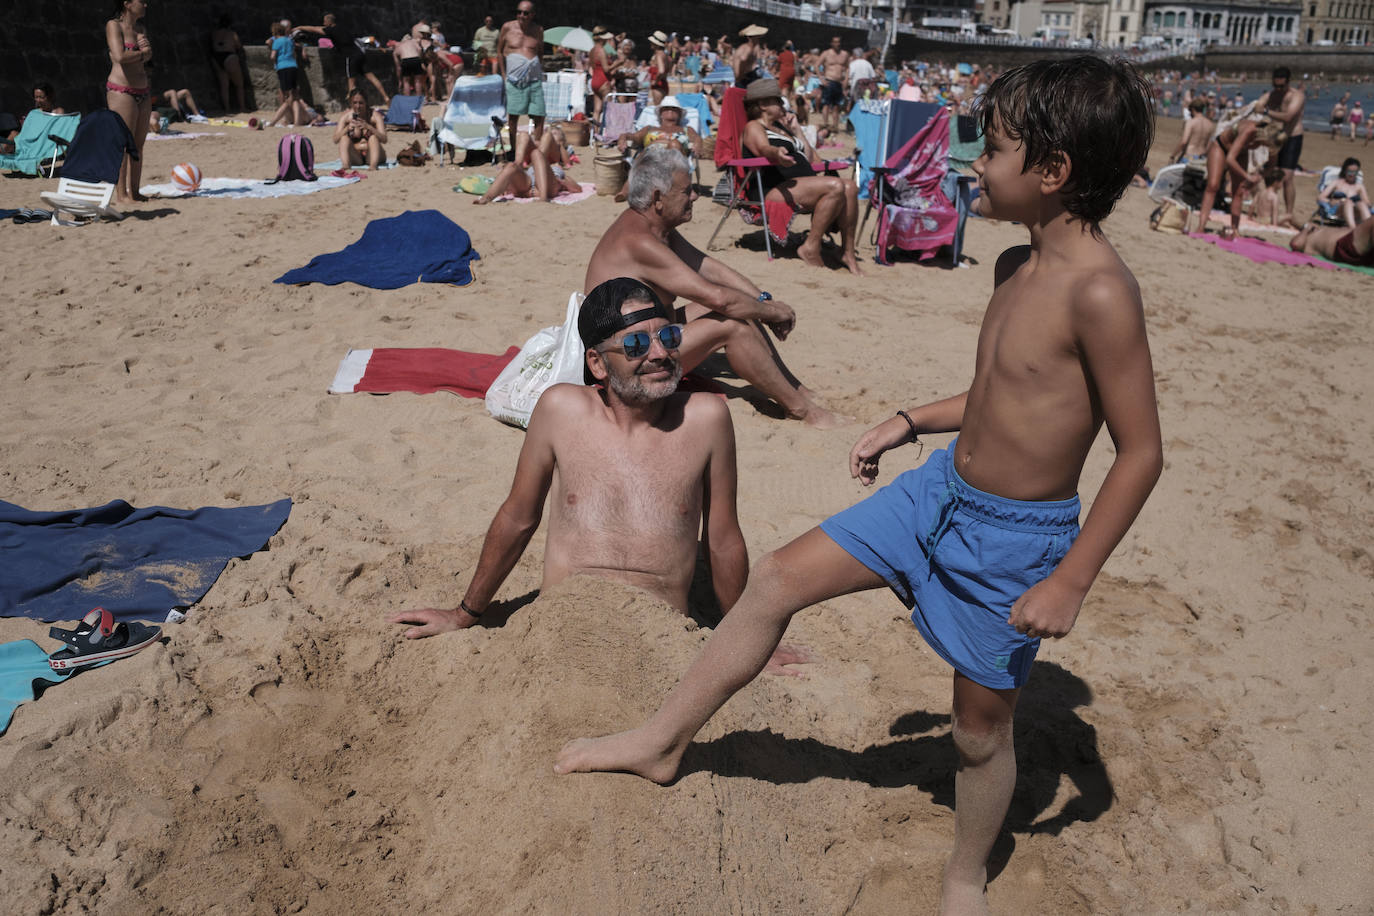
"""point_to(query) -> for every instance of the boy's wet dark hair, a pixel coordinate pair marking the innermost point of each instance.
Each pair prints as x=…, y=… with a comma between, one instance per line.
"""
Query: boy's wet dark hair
x=599, y=317
x=1097, y=112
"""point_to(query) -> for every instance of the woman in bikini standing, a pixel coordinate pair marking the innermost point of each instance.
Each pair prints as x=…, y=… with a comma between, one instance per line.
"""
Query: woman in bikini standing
x=126, y=88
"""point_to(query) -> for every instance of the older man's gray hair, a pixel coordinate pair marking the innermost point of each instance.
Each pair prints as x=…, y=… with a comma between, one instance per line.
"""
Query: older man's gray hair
x=653, y=171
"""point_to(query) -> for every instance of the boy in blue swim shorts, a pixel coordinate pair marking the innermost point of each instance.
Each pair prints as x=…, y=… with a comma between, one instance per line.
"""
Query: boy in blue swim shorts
x=982, y=541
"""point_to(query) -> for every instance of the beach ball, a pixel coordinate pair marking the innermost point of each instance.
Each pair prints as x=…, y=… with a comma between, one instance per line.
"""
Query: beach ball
x=186, y=177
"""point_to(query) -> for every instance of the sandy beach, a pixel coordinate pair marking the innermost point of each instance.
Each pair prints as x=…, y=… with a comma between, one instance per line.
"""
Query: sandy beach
x=1199, y=743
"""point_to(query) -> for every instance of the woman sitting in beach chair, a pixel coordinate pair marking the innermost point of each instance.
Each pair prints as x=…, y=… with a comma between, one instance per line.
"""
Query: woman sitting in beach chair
x=537, y=172
x=1343, y=197
x=773, y=133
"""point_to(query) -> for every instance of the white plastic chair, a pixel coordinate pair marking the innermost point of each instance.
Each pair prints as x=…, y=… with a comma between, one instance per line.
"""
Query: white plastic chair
x=82, y=199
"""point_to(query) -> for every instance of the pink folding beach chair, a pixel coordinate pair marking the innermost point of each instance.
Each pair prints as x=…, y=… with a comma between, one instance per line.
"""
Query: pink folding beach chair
x=914, y=212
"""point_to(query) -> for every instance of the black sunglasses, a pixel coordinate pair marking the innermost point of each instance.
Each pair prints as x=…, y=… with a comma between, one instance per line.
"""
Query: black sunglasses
x=636, y=344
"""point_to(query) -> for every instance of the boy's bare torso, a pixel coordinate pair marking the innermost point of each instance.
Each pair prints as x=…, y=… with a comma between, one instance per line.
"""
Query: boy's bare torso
x=1032, y=413
x=627, y=505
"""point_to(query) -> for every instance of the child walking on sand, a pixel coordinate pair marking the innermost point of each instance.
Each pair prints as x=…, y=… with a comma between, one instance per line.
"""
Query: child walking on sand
x=982, y=541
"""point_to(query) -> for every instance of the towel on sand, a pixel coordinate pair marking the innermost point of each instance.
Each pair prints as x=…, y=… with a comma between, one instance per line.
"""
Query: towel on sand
x=24, y=675
x=1260, y=251
x=423, y=370
x=233, y=188
x=421, y=246
x=136, y=563
x=563, y=197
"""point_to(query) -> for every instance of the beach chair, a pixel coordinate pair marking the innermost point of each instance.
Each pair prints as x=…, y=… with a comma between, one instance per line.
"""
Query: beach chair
x=695, y=101
x=1183, y=183
x=921, y=207
x=475, y=109
x=721, y=73
x=744, y=178
x=404, y=112
x=41, y=141
x=91, y=169
x=84, y=200
x=617, y=116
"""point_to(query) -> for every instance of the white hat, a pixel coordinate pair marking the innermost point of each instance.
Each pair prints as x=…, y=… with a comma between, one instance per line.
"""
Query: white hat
x=670, y=101
x=753, y=31
x=658, y=39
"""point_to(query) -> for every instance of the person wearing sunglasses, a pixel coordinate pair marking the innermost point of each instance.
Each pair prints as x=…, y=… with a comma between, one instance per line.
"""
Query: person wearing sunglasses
x=518, y=47
x=644, y=472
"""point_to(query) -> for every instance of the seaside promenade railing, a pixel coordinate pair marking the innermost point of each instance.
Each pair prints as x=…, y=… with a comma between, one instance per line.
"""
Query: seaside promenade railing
x=878, y=29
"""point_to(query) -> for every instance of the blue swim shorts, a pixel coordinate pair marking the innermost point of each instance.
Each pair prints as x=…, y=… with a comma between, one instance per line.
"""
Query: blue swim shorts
x=959, y=558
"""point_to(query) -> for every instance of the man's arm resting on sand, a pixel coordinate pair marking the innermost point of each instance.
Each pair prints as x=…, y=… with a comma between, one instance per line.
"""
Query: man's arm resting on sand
x=689, y=274
x=720, y=522
x=1110, y=326
x=507, y=536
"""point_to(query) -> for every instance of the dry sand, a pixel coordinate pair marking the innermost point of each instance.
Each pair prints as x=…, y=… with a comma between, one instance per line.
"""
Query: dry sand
x=1199, y=743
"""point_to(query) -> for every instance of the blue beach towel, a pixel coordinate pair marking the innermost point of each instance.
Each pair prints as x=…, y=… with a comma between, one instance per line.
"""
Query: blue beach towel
x=419, y=246
x=136, y=563
x=24, y=675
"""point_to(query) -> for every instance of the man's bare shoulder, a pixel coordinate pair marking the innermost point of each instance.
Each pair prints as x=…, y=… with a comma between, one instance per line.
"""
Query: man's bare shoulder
x=705, y=408
x=564, y=407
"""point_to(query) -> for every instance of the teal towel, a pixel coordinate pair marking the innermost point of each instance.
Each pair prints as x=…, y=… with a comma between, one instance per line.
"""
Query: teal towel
x=24, y=675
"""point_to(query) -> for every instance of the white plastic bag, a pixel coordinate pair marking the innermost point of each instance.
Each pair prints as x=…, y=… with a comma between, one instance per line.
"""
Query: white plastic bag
x=551, y=356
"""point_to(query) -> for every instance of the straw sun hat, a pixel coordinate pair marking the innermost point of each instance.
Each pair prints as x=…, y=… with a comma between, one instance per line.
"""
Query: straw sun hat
x=753, y=31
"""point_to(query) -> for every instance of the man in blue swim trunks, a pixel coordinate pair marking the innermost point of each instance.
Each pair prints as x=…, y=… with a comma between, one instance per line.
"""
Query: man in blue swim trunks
x=982, y=541
x=517, y=60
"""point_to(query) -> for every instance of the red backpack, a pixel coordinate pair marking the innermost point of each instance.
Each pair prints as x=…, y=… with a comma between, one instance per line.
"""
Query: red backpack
x=295, y=159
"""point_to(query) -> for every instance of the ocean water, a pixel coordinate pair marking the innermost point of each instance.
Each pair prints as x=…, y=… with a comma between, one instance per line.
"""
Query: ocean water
x=1321, y=97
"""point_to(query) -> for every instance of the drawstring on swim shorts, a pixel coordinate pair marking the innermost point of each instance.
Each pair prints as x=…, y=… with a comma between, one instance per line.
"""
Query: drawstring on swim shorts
x=943, y=522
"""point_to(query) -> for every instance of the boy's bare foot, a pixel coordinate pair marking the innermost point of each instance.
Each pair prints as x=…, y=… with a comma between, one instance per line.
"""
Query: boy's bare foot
x=627, y=752
x=958, y=898
x=852, y=263
x=481, y=201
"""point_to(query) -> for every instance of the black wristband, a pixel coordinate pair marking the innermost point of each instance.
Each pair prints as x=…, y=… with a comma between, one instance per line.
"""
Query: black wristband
x=909, y=422
x=463, y=606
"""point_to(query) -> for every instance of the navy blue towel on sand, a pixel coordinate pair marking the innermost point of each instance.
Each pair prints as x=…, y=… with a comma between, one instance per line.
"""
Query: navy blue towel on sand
x=138, y=564
x=419, y=246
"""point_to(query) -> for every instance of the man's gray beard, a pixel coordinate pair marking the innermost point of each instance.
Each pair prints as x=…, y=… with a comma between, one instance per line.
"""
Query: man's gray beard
x=633, y=391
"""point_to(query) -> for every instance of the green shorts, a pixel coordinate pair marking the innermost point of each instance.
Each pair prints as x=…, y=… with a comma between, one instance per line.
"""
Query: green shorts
x=525, y=100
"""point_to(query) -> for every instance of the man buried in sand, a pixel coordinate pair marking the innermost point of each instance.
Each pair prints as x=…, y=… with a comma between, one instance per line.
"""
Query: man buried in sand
x=723, y=308
x=641, y=469
x=982, y=541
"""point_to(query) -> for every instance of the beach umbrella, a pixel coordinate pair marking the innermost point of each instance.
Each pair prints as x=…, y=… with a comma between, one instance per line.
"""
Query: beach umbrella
x=570, y=36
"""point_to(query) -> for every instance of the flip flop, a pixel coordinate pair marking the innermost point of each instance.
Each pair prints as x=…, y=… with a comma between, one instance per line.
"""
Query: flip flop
x=99, y=638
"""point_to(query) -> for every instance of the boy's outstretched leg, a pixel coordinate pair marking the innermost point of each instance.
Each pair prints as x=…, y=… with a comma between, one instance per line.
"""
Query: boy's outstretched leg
x=810, y=569
x=982, y=789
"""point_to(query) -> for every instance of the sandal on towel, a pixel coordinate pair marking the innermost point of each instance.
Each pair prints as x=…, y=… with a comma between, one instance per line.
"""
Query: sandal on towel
x=99, y=638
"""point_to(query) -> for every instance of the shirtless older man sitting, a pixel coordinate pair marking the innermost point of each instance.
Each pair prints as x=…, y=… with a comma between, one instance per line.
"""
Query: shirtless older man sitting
x=641, y=469
x=723, y=308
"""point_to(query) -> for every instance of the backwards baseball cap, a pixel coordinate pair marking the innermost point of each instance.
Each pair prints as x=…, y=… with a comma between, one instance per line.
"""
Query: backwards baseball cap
x=599, y=317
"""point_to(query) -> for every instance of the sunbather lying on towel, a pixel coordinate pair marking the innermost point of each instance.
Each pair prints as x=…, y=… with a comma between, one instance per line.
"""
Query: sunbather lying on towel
x=1337, y=243
x=538, y=171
